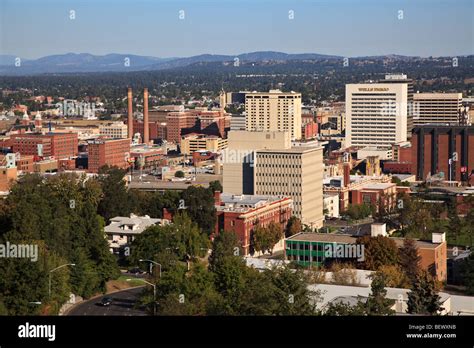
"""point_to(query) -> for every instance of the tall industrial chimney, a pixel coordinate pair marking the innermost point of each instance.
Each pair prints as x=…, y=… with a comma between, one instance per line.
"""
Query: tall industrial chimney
x=130, y=114
x=347, y=174
x=146, y=129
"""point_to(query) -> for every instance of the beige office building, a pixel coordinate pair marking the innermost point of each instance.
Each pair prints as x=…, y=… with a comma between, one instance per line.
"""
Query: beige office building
x=273, y=111
x=376, y=114
x=296, y=172
x=195, y=142
x=437, y=108
x=115, y=130
x=238, y=157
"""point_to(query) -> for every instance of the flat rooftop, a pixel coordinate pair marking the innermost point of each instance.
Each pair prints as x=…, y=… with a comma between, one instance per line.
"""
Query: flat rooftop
x=378, y=186
x=348, y=239
x=296, y=150
x=323, y=237
x=249, y=200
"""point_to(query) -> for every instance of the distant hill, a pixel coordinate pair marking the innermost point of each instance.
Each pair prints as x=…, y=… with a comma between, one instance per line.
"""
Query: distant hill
x=85, y=62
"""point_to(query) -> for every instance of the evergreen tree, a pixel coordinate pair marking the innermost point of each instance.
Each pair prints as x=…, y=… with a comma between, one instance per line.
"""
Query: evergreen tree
x=377, y=303
x=115, y=200
x=200, y=207
x=410, y=259
x=423, y=298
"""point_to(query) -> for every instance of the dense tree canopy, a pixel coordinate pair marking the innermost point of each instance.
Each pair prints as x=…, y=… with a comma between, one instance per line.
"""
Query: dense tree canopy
x=59, y=214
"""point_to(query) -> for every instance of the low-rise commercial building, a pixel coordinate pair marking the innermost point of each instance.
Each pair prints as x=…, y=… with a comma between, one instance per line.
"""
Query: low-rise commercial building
x=115, y=130
x=103, y=152
x=58, y=145
x=243, y=213
x=196, y=142
x=310, y=249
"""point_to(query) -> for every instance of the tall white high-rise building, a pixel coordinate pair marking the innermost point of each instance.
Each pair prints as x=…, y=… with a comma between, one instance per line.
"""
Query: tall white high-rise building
x=376, y=114
x=273, y=111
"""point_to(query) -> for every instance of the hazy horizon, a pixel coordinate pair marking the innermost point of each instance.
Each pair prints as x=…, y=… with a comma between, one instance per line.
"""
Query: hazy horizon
x=32, y=29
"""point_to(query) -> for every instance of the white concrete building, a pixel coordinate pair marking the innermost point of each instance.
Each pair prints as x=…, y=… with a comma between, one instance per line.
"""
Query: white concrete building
x=376, y=114
x=331, y=205
x=122, y=230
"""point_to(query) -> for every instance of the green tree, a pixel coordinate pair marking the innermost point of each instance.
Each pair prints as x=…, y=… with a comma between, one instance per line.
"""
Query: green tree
x=358, y=211
x=200, y=207
x=226, y=244
x=344, y=309
x=262, y=239
x=115, y=200
x=378, y=251
x=291, y=294
x=423, y=298
x=215, y=186
x=293, y=226
x=182, y=238
x=410, y=259
x=179, y=174
x=377, y=303
x=62, y=218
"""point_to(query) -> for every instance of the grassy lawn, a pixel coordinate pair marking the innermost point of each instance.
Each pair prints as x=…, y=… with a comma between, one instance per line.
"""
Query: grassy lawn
x=133, y=282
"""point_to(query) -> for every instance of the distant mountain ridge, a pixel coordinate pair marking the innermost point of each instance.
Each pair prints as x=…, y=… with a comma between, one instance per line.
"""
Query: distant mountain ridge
x=115, y=62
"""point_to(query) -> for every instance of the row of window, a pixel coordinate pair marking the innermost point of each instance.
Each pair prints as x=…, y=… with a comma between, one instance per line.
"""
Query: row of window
x=305, y=258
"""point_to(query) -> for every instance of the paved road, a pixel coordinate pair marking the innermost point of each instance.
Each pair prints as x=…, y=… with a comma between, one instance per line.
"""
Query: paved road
x=123, y=305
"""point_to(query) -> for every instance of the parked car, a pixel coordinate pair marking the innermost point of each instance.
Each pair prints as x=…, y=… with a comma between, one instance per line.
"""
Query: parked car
x=136, y=270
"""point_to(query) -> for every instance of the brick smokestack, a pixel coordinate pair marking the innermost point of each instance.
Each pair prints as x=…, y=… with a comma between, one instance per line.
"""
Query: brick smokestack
x=146, y=129
x=130, y=114
x=347, y=173
x=217, y=198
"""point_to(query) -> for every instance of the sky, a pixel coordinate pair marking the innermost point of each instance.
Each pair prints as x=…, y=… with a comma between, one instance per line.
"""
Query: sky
x=36, y=28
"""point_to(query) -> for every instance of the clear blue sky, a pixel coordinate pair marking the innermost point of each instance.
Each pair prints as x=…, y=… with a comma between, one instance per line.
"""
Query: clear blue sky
x=35, y=28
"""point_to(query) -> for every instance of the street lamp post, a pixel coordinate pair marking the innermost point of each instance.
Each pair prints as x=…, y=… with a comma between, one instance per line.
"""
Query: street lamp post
x=55, y=269
x=154, y=291
x=152, y=262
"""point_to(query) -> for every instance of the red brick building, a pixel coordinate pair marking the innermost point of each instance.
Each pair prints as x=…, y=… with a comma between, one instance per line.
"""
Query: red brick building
x=157, y=130
x=176, y=121
x=434, y=146
x=243, y=213
x=309, y=130
x=377, y=194
x=58, y=145
x=209, y=118
x=207, y=122
x=398, y=167
x=114, y=152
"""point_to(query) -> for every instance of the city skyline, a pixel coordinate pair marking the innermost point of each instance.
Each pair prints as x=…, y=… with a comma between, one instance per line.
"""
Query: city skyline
x=229, y=27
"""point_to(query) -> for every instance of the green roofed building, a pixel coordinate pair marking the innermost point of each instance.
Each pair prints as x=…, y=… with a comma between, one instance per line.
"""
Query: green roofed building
x=313, y=249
